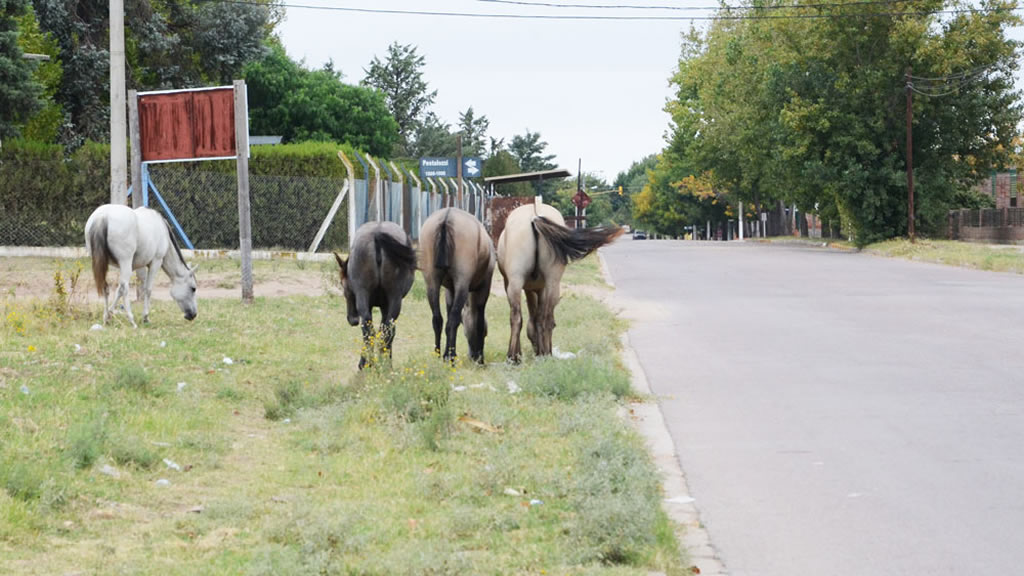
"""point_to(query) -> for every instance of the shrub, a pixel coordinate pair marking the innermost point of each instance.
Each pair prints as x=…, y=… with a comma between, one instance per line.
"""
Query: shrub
x=134, y=379
x=22, y=479
x=288, y=396
x=130, y=451
x=85, y=441
x=574, y=377
x=616, y=498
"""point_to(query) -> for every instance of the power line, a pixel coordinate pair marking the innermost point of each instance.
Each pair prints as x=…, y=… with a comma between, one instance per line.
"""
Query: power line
x=618, y=17
x=687, y=8
x=965, y=74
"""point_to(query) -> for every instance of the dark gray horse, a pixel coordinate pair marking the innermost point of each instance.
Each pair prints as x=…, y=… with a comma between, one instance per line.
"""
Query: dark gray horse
x=457, y=253
x=378, y=273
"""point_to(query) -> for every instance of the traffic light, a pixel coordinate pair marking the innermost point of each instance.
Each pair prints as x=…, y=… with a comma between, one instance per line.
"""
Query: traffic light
x=620, y=190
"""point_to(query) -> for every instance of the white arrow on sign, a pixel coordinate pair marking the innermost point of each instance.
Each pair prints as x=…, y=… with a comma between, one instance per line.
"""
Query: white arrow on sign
x=471, y=167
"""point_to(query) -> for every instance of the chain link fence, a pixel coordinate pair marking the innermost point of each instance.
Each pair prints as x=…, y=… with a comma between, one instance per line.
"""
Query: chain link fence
x=46, y=203
x=286, y=211
x=201, y=202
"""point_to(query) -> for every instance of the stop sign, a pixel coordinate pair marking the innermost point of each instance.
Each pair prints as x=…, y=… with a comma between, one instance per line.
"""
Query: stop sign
x=581, y=200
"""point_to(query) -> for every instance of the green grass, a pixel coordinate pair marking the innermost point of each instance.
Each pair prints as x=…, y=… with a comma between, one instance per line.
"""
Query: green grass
x=993, y=257
x=981, y=256
x=292, y=462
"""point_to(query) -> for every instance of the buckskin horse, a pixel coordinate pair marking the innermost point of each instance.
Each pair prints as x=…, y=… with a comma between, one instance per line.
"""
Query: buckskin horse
x=533, y=251
x=456, y=252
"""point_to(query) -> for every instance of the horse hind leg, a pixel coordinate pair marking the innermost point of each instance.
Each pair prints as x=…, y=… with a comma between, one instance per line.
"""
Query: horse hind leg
x=123, y=291
x=387, y=326
x=515, y=318
x=546, y=317
x=458, y=302
x=146, y=276
x=533, y=324
x=476, y=324
x=434, y=300
x=106, y=304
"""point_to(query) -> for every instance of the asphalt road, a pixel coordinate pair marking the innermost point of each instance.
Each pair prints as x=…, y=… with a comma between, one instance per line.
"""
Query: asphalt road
x=836, y=413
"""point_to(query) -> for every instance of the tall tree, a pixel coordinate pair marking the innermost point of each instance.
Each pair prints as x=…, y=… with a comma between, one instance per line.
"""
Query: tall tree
x=474, y=132
x=19, y=91
x=44, y=124
x=433, y=138
x=168, y=44
x=400, y=78
x=299, y=104
x=812, y=112
x=503, y=163
x=528, y=149
x=224, y=50
x=630, y=183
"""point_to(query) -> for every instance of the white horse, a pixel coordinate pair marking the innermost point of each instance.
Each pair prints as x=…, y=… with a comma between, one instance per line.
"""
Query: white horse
x=133, y=240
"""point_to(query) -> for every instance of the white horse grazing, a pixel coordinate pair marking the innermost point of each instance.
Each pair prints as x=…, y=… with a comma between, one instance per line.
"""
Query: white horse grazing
x=134, y=239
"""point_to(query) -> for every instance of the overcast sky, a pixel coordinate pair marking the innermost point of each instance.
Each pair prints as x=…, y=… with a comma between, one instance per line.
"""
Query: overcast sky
x=595, y=90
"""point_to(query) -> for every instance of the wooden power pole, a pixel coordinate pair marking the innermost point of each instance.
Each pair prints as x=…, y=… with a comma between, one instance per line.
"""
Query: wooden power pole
x=118, y=120
x=910, y=157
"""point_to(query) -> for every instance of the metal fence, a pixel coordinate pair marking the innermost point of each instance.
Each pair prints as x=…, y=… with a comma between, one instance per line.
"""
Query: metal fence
x=998, y=225
x=201, y=202
x=43, y=203
x=286, y=211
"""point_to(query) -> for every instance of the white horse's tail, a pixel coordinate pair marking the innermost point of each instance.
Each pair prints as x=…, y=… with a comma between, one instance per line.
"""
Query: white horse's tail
x=97, y=239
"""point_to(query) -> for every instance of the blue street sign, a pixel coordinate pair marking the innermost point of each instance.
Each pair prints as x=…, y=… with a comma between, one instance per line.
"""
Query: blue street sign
x=472, y=167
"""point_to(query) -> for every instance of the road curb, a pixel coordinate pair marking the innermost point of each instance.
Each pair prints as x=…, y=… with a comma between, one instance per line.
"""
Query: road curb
x=648, y=420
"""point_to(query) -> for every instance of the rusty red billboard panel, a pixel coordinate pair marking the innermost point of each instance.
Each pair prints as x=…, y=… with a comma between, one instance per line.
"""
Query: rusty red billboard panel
x=187, y=124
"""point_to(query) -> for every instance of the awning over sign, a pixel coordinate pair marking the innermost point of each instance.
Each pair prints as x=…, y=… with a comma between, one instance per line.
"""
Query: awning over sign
x=528, y=176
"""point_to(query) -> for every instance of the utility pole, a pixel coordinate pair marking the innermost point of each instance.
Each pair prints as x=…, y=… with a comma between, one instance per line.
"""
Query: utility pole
x=118, y=120
x=910, y=157
x=579, y=188
x=458, y=170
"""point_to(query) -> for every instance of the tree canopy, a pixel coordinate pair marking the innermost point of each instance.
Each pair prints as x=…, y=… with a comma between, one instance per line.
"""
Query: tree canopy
x=399, y=77
x=288, y=100
x=812, y=112
x=19, y=91
x=168, y=44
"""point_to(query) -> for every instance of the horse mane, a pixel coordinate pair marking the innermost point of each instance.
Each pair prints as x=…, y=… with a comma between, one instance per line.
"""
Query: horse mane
x=100, y=254
x=402, y=254
x=174, y=242
x=573, y=244
x=443, y=246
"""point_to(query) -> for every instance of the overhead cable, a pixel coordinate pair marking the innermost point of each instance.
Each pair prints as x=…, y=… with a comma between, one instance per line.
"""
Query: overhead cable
x=618, y=17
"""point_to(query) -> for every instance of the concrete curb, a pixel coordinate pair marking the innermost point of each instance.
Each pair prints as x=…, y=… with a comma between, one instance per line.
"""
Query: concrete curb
x=79, y=252
x=647, y=419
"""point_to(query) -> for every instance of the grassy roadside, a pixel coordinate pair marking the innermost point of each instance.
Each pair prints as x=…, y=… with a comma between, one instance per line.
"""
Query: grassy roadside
x=992, y=257
x=997, y=258
x=146, y=452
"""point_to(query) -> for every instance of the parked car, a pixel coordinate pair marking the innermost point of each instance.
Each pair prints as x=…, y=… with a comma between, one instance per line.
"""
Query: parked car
x=639, y=235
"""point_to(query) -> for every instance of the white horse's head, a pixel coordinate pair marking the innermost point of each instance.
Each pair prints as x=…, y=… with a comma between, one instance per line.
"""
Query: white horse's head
x=183, y=290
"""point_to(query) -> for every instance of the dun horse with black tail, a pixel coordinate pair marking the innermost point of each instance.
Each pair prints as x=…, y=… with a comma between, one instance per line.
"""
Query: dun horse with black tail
x=533, y=251
x=456, y=252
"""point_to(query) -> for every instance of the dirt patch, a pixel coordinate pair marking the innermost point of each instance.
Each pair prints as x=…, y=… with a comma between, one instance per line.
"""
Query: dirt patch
x=33, y=279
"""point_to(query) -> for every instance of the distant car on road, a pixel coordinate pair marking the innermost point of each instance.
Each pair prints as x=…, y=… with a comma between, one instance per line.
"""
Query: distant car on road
x=639, y=235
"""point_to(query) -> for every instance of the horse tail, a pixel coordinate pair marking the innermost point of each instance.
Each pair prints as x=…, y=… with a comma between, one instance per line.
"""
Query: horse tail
x=402, y=254
x=443, y=246
x=100, y=253
x=573, y=244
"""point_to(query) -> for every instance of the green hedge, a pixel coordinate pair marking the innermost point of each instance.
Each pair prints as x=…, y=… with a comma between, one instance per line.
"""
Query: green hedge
x=46, y=198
